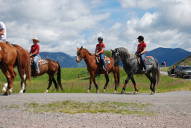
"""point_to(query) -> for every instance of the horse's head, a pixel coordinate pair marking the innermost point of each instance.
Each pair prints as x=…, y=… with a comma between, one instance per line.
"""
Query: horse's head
x=116, y=55
x=80, y=54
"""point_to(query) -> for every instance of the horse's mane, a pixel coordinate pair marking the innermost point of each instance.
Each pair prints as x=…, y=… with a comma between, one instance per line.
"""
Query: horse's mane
x=88, y=51
x=123, y=51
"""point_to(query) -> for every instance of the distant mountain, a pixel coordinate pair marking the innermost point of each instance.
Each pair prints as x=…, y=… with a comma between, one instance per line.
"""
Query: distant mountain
x=64, y=59
x=171, y=56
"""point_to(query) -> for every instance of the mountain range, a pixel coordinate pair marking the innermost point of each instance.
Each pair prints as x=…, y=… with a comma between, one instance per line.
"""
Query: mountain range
x=169, y=55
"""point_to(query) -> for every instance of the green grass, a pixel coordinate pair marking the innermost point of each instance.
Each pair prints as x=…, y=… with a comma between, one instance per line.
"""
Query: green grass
x=74, y=107
x=76, y=80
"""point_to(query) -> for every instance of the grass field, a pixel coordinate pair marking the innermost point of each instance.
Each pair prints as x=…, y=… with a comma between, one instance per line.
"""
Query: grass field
x=75, y=80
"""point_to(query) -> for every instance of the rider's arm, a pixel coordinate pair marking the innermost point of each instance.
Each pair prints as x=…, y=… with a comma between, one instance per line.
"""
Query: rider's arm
x=101, y=51
x=35, y=52
x=144, y=51
x=2, y=31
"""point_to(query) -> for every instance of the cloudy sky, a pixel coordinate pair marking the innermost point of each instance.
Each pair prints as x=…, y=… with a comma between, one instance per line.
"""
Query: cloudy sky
x=64, y=25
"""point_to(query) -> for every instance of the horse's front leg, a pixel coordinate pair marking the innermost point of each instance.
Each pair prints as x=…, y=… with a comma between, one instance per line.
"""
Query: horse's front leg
x=96, y=86
x=90, y=84
x=9, y=80
x=126, y=82
x=134, y=84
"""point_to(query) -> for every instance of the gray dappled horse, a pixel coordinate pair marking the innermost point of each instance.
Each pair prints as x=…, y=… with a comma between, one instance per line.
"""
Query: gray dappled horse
x=131, y=67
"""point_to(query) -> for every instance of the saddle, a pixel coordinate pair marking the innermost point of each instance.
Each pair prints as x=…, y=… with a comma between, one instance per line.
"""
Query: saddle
x=148, y=61
x=106, y=60
x=40, y=62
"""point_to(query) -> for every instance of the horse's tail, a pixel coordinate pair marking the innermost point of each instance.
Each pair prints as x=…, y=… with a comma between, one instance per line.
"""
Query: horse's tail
x=28, y=66
x=157, y=71
x=118, y=75
x=59, y=76
x=23, y=61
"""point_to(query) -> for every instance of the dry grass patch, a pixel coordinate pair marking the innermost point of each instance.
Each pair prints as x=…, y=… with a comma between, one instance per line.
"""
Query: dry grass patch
x=73, y=107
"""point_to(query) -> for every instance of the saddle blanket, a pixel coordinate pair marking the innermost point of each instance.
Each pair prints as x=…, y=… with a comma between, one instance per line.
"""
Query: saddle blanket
x=149, y=60
x=106, y=59
x=42, y=61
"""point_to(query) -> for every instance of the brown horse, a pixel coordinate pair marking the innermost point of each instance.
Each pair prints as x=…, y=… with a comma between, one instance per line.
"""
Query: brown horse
x=10, y=56
x=50, y=67
x=94, y=68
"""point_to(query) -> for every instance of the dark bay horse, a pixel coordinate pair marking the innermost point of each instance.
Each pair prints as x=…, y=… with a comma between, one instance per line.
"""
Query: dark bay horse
x=50, y=67
x=131, y=67
x=10, y=56
x=94, y=68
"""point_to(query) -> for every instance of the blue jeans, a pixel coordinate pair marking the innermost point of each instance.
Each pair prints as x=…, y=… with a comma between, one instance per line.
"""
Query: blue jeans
x=36, y=59
x=102, y=56
x=142, y=57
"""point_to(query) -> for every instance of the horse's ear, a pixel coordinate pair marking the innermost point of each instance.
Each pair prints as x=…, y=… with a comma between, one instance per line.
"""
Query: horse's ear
x=81, y=47
x=78, y=49
x=111, y=50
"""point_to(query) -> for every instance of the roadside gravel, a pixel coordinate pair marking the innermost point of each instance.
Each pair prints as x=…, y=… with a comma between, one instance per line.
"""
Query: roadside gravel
x=172, y=109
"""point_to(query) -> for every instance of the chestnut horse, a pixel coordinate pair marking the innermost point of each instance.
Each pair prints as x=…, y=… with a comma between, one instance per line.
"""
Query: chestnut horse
x=94, y=68
x=10, y=56
x=50, y=67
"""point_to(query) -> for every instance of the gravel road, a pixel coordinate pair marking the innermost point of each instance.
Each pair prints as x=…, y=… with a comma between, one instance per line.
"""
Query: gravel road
x=173, y=110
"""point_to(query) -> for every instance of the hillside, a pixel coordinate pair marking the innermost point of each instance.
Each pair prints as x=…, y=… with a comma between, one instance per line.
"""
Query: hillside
x=64, y=59
x=186, y=61
x=171, y=56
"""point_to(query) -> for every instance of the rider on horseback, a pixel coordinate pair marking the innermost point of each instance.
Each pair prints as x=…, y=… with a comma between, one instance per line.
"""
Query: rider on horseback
x=34, y=52
x=99, y=51
x=141, y=51
x=2, y=32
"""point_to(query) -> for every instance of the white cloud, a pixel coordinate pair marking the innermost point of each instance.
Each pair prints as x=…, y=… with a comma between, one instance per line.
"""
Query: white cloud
x=59, y=22
x=63, y=25
x=143, y=4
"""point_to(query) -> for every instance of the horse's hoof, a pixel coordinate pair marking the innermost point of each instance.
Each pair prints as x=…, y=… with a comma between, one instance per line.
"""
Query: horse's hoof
x=21, y=91
x=115, y=92
x=152, y=93
x=46, y=91
x=7, y=93
x=136, y=92
x=122, y=92
x=4, y=89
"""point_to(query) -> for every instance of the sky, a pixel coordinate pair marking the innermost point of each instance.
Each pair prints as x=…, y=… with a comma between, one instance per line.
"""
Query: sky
x=64, y=25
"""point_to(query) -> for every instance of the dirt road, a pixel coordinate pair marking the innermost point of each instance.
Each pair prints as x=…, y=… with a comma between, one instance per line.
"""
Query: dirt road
x=172, y=109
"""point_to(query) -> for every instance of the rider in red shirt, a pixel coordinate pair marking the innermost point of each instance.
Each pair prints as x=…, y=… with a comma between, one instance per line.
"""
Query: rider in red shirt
x=141, y=51
x=99, y=51
x=34, y=52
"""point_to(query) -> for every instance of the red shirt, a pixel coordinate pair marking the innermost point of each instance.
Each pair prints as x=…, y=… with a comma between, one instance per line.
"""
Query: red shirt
x=35, y=48
x=141, y=47
x=100, y=46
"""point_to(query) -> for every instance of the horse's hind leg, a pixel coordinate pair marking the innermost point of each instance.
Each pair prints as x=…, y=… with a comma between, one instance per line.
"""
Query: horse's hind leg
x=90, y=84
x=107, y=81
x=154, y=81
x=134, y=84
x=116, y=78
x=49, y=84
x=23, y=81
x=151, y=81
x=55, y=83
